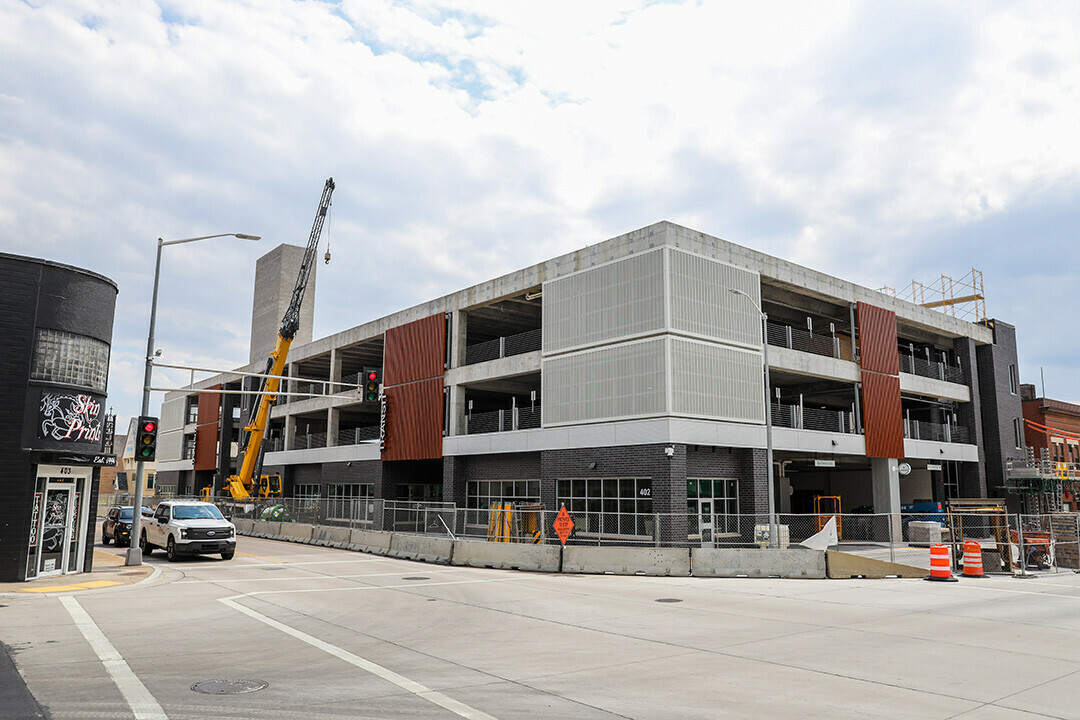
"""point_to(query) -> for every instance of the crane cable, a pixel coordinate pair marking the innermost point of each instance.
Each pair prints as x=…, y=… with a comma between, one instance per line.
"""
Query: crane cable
x=329, y=231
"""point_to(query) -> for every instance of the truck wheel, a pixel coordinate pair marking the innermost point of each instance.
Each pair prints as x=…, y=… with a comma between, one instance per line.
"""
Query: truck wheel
x=228, y=554
x=146, y=547
x=104, y=537
x=170, y=550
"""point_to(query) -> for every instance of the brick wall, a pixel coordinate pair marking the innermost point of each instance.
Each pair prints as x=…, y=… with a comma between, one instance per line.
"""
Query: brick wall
x=972, y=479
x=999, y=405
x=18, y=287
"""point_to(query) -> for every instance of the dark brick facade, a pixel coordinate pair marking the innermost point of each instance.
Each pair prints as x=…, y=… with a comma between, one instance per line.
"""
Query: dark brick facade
x=1000, y=406
x=972, y=479
x=39, y=294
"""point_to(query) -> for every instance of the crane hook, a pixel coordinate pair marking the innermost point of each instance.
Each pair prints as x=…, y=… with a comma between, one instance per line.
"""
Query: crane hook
x=326, y=257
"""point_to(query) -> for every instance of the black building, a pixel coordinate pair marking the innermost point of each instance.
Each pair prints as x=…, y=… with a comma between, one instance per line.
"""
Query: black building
x=56, y=322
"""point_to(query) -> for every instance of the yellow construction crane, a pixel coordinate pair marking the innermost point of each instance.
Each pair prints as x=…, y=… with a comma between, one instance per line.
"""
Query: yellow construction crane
x=249, y=482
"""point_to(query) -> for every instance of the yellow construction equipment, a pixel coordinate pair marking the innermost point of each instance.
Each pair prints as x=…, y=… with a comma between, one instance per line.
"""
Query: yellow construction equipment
x=249, y=482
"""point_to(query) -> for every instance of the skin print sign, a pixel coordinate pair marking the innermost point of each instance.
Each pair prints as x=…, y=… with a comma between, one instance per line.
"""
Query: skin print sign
x=67, y=417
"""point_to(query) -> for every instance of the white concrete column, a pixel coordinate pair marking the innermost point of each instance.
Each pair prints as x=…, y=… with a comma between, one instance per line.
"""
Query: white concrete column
x=335, y=369
x=333, y=421
x=885, y=475
x=459, y=324
x=290, y=431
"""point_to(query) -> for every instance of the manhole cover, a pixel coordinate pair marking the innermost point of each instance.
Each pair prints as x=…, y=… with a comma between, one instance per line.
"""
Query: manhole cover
x=668, y=600
x=418, y=577
x=228, y=687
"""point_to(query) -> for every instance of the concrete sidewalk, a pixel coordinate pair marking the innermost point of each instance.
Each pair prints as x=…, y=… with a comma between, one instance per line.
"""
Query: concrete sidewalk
x=109, y=570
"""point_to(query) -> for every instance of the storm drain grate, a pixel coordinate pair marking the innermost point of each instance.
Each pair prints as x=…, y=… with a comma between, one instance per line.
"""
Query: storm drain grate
x=418, y=577
x=228, y=687
x=668, y=600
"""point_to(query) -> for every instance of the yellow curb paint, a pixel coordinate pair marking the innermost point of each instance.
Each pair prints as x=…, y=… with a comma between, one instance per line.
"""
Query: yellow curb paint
x=76, y=586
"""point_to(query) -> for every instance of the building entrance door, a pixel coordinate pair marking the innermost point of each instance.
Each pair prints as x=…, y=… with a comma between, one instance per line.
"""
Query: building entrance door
x=706, y=521
x=54, y=529
x=61, y=506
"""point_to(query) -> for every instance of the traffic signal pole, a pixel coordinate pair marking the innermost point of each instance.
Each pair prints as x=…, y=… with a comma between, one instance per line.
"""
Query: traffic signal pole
x=134, y=552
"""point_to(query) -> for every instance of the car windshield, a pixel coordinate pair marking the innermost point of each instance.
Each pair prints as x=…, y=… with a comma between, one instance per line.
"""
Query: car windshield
x=196, y=512
x=125, y=513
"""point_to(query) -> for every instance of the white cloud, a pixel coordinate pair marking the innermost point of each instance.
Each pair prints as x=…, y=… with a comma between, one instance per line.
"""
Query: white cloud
x=469, y=139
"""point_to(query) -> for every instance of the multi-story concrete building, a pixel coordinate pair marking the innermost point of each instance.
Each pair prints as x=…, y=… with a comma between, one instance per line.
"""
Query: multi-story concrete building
x=628, y=377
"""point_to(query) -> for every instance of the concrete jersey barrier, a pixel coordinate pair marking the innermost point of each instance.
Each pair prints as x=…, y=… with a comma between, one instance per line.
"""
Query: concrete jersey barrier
x=627, y=560
x=506, y=556
x=713, y=562
x=370, y=541
x=418, y=547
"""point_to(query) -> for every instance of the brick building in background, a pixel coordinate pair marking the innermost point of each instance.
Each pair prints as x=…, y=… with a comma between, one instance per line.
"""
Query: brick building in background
x=1052, y=425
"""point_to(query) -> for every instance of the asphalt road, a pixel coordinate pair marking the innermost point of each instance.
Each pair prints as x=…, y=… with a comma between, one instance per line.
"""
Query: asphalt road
x=335, y=634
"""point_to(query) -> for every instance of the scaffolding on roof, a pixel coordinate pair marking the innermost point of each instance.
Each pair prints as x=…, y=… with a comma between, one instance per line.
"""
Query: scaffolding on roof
x=964, y=298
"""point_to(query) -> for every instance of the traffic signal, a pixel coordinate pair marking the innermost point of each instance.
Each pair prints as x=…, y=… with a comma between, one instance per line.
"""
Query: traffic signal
x=371, y=382
x=146, y=439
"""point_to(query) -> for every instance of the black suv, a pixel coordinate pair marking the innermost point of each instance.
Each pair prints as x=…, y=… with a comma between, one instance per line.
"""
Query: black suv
x=117, y=525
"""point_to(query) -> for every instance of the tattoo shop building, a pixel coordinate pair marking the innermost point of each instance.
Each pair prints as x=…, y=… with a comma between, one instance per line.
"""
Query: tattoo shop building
x=57, y=322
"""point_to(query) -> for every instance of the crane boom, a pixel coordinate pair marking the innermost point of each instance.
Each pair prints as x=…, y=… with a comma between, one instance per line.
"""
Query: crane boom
x=242, y=484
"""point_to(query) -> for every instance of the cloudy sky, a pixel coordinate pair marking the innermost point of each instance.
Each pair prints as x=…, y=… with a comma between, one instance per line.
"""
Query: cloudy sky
x=880, y=142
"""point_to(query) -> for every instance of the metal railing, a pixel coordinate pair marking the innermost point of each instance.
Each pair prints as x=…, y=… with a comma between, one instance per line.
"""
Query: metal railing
x=355, y=436
x=308, y=441
x=811, y=418
x=517, y=418
x=794, y=338
x=519, y=344
x=926, y=368
x=939, y=432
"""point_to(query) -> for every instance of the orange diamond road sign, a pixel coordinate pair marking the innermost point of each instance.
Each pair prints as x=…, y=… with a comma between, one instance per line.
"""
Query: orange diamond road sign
x=563, y=525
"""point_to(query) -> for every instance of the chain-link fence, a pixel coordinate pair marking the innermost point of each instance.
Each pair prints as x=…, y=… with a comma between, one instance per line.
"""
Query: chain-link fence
x=1044, y=542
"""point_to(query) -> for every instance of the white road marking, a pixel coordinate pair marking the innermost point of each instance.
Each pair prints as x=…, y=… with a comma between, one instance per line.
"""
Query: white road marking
x=421, y=691
x=276, y=578
x=138, y=698
x=409, y=586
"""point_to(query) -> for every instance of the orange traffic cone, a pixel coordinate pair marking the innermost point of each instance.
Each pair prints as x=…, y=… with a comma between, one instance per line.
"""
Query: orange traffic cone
x=940, y=568
x=973, y=559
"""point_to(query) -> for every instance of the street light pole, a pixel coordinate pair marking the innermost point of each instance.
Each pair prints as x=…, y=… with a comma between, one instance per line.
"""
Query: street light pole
x=134, y=552
x=773, y=539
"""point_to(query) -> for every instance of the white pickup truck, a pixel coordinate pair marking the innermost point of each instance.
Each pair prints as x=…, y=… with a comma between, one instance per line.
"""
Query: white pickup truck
x=187, y=527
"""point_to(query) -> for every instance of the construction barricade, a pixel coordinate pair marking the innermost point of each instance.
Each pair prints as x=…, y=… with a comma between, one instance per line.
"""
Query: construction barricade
x=940, y=565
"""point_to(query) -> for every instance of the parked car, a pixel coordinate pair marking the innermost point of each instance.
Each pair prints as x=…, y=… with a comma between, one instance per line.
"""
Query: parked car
x=117, y=524
x=188, y=527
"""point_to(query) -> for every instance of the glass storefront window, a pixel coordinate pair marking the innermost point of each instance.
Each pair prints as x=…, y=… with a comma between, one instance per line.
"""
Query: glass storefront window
x=617, y=506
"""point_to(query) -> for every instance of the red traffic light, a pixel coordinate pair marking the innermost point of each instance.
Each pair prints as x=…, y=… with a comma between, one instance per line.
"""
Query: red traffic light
x=373, y=375
x=149, y=426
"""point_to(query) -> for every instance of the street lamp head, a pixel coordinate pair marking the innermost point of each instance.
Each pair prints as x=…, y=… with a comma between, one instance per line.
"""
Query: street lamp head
x=242, y=236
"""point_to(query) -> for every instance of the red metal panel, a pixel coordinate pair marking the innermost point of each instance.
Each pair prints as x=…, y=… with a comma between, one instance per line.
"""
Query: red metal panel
x=416, y=351
x=206, y=430
x=414, y=421
x=882, y=416
x=877, y=340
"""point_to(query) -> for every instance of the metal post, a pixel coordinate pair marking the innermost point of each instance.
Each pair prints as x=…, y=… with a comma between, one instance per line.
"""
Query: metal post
x=773, y=539
x=892, y=540
x=134, y=552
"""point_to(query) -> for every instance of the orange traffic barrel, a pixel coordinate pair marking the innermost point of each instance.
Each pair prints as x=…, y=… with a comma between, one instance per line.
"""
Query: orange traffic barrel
x=973, y=559
x=940, y=568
